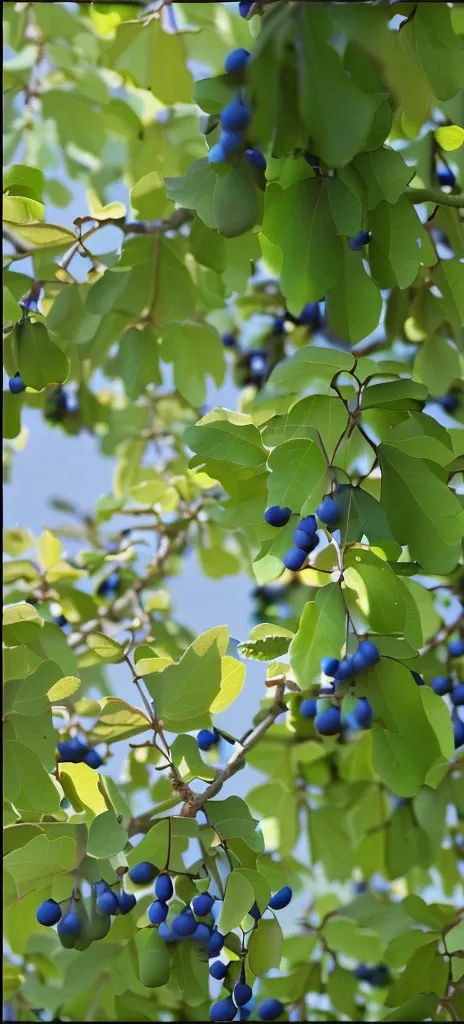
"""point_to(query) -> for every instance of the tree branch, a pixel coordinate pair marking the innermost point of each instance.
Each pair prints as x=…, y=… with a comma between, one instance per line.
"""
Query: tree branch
x=190, y=808
x=434, y=195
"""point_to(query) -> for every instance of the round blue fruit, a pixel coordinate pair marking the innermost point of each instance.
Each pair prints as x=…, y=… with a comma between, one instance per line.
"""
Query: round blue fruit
x=183, y=925
x=270, y=1009
x=277, y=516
x=362, y=972
x=308, y=524
x=73, y=750
x=244, y=8
x=359, y=241
x=255, y=912
x=224, y=1009
x=456, y=648
x=143, y=873
x=328, y=723
x=360, y=887
x=329, y=667
x=235, y=116
x=446, y=177
x=363, y=713
x=242, y=993
x=215, y=944
x=279, y=324
x=127, y=902
x=310, y=316
x=163, y=887
x=344, y=670
x=441, y=685
x=157, y=912
x=108, y=902
x=281, y=898
x=217, y=154
x=457, y=695
x=93, y=759
x=110, y=586
x=228, y=340
x=369, y=653
x=218, y=970
x=236, y=60
x=70, y=924
x=230, y=142
x=48, y=913
x=207, y=739
x=202, y=934
x=449, y=403
x=328, y=512
x=308, y=708
x=380, y=976
x=305, y=541
x=458, y=730
x=16, y=385
x=165, y=934
x=60, y=620
x=256, y=158
x=202, y=904
x=294, y=559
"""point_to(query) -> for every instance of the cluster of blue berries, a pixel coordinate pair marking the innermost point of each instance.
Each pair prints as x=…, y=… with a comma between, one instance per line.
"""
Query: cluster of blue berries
x=305, y=537
x=108, y=903
x=73, y=751
x=235, y=118
x=450, y=402
x=378, y=976
x=328, y=720
x=109, y=586
x=445, y=686
x=358, y=241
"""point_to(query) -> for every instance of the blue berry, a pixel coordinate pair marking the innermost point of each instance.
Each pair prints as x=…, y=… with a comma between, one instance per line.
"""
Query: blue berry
x=456, y=648
x=255, y=912
x=73, y=750
x=93, y=759
x=344, y=670
x=308, y=524
x=328, y=723
x=228, y=340
x=215, y=943
x=363, y=713
x=244, y=8
x=165, y=934
x=457, y=695
x=369, y=653
x=446, y=177
x=281, y=898
x=109, y=586
x=230, y=142
x=308, y=708
x=360, y=887
x=458, y=730
x=242, y=993
x=70, y=924
x=218, y=970
x=48, y=913
x=108, y=902
x=164, y=888
x=270, y=1009
x=236, y=60
x=380, y=976
x=202, y=933
x=235, y=116
x=127, y=902
x=279, y=324
x=60, y=620
x=310, y=316
x=328, y=512
x=157, y=912
x=362, y=972
x=202, y=904
x=16, y=385
x=256, y=158
x=143, y=873
x=223, y=1010
x=207, y=739
x=441, y=685
x=217, y=154
x=329, y=667
x=294, y=559
x=359, y=241
x=183, y=925
x=449, y=402
x=277, y=516
x=305, y=541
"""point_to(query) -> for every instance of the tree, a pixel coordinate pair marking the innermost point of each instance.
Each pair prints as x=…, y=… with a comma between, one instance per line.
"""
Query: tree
x=294, y=220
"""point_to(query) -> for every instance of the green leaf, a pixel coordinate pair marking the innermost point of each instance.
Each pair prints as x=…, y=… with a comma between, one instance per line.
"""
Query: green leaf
x=170, y=78
x=38, y=862
x=154, y=846
x=188, y=760
x=437, y=364
x=238, y=900
x=421, y=1007
x=347, y=937
x=208, y=246
x=106, y=836
x=42, y=235
x=237, y=202
x=309, y=365
x=321, y=629
x=64, y=687
x=138, y=360
x=431, y=44
x=266, y=642
x=16, y=541
x=226, y=435
x=299, y=475
x=318, y=412
x=103, y=295
x=183, y=693
x=154, y=959
x=21, y=624
x=395, y=395
x=265, y=947
x=423, y=513
x=448, y=276
x=232, y=680
x=346, y=207
x=385, y=175
x=21, y=210
x=354, y=303
x=397, y=247
x=49, y=548
x=232, y=819
x=118, y=721
x=449, y=137
x=105, y=647
x=375, y=590
x=40, y=361
x=197, y=353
